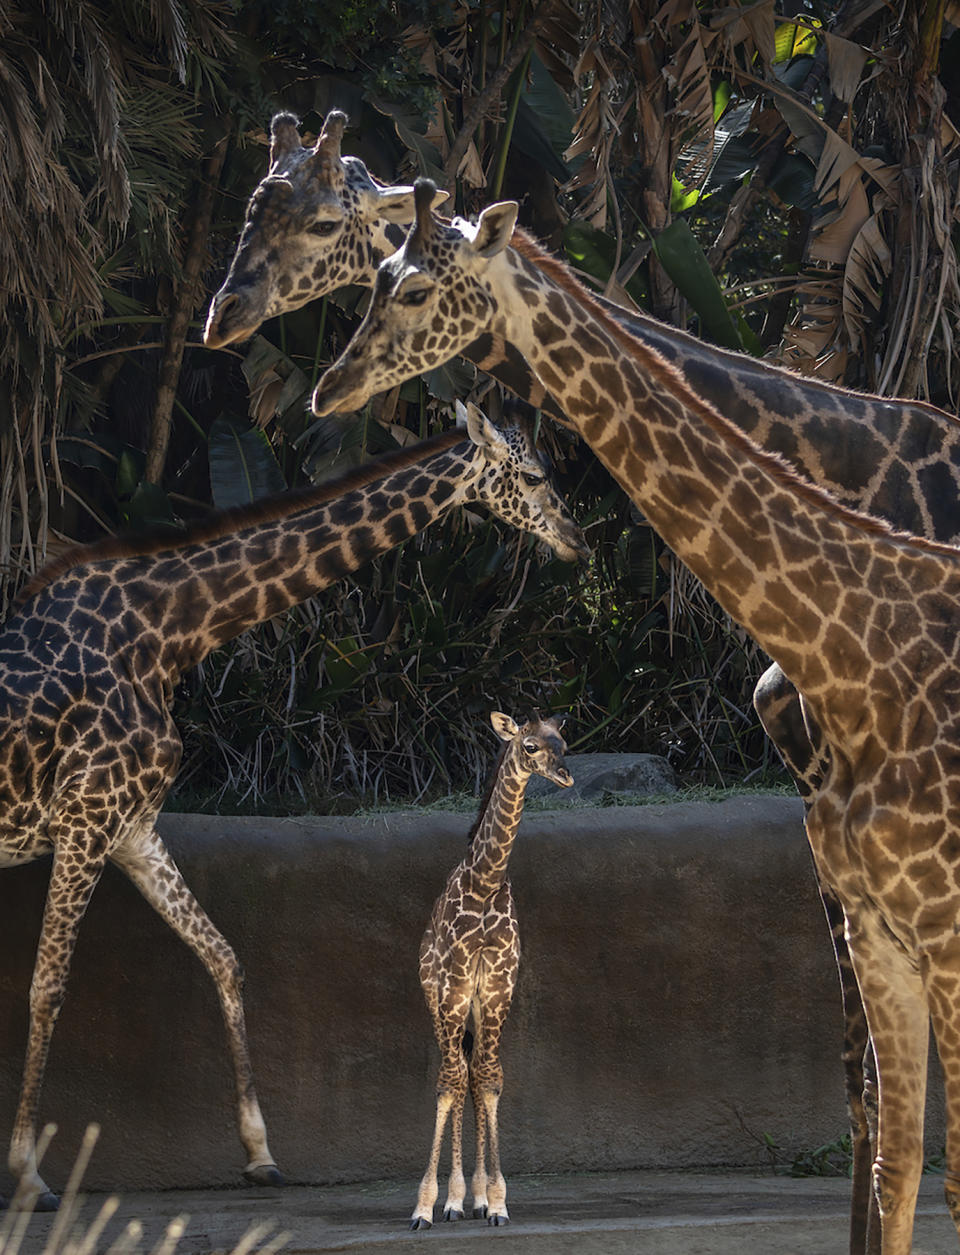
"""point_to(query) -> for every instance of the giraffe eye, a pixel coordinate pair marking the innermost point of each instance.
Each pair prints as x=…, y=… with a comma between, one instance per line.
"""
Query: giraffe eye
x=415, y=297
x=530, y=745
x=531, y=479
x=324, y=227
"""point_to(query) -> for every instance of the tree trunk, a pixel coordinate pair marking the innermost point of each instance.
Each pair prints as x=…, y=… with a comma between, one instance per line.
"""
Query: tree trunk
x=184, y=303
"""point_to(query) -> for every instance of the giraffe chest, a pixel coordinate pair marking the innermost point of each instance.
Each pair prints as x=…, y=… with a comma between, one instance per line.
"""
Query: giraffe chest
x=468, y=925
x=889, y=845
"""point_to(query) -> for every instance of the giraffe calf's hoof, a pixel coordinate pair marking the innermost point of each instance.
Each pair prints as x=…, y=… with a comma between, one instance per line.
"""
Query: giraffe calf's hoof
x=452, y=1213
x=420, y=1222
x=497, y=1218
x=265, y=1174
x=480, y=1213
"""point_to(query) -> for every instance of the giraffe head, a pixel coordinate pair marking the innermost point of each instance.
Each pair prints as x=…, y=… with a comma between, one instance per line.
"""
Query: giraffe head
x=538, y=745
x=430, y=301
x=514, y=485
x=315, y=222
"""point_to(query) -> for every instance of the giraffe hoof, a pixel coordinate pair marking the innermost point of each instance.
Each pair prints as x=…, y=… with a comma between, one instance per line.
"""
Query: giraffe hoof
x=420, y=1222
x=495, y=1219
x=452, y=1213
x=266, y=1174
x=479, y=1213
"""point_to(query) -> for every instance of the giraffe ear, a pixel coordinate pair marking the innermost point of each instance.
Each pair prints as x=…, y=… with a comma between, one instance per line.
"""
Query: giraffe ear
x=396, y=204
x=495, y=227
x=484, y=434
x=284, y=137
x=503, y=725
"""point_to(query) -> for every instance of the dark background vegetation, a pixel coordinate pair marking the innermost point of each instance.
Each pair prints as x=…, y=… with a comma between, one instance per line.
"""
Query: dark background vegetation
x=777, y=177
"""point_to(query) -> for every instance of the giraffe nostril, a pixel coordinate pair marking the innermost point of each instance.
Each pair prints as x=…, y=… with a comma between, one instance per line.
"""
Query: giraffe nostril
x=213, y=332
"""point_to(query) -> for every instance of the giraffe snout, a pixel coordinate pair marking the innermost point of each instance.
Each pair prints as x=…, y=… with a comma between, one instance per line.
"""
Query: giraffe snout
x=562, y=777
x=217, y=331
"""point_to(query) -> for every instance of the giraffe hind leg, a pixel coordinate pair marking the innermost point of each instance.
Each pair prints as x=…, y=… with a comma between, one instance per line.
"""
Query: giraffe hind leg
x=146, y=861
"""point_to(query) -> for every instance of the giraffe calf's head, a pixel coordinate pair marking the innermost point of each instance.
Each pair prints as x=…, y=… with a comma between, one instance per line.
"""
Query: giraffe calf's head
x=429, y=302
x=316, y=222
x=513, y=484
x=538, y=745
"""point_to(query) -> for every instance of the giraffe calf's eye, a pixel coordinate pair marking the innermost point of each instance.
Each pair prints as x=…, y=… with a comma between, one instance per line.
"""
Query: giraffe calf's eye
x=531, y=479
x=416, y=297
x=530, y=746
x=323, y=228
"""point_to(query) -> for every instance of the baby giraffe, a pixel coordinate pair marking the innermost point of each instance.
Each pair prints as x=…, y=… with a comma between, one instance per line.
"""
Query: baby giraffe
x=469, y=958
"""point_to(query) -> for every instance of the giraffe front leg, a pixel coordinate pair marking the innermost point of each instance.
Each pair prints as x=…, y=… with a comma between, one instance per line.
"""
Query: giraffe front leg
x=451, y=1092
x=478, y=1185
x=491, y=1088
x=73, y=879
x=457, y=1185
x=145, y=859
x=497, y=979
x=899, y=1020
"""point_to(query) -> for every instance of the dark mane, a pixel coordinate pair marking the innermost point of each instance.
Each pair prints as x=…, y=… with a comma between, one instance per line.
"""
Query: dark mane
x=491, y=781
x=240, y=518
x=665, y=376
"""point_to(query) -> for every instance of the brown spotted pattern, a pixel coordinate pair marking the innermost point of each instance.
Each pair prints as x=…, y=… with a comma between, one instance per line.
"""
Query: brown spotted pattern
x=316, y=222
x=89, y=660
x=862, y=620
x=897, y=459
x=469, y=959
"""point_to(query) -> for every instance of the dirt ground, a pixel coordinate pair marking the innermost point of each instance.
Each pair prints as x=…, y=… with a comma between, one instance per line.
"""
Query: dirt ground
x=643, y=1213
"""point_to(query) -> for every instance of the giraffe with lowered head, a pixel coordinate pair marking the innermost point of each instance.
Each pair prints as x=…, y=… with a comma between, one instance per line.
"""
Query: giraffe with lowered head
x=469, y=959
x=864, y=621
x=897, y=459
x=88, y=664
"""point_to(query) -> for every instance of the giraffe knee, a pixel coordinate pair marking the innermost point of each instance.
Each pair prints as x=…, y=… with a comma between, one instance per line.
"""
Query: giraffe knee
x=895, y=1189
x=46, y=998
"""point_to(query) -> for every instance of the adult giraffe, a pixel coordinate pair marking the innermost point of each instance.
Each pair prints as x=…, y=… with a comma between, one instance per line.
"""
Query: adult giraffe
x=863, y=620
x=88, y=664
x=313, y=224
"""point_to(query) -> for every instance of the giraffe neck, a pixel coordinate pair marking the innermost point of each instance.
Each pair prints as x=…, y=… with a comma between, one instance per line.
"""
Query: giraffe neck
x=496, y=826
x=893, y=458
x=784, y=560
x=170, y=607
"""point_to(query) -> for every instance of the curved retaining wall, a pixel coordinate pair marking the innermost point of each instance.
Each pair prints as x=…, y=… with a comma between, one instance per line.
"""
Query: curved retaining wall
x=677, y=1000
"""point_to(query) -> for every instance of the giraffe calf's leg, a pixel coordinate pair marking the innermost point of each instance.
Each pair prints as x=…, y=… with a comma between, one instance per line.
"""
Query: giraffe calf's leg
x=478, y=1185
x=457, y=1186
x=422, y=1217
x=451, y=1091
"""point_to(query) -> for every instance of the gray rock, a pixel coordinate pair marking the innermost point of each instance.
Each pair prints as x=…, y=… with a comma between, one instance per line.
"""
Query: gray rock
x=596, y=774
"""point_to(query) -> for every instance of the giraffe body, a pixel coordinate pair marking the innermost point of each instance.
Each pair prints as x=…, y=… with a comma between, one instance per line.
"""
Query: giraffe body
x=469, y=959
x=89, y=660
x=896, y=459
x=863, y=621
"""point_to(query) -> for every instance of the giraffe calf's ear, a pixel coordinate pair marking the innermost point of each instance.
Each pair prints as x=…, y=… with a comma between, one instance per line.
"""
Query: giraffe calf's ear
x=495, y=228
x=503, y=725
x=486, y=435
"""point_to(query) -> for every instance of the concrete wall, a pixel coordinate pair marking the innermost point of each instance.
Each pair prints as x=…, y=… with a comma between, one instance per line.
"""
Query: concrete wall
x=677, y=999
